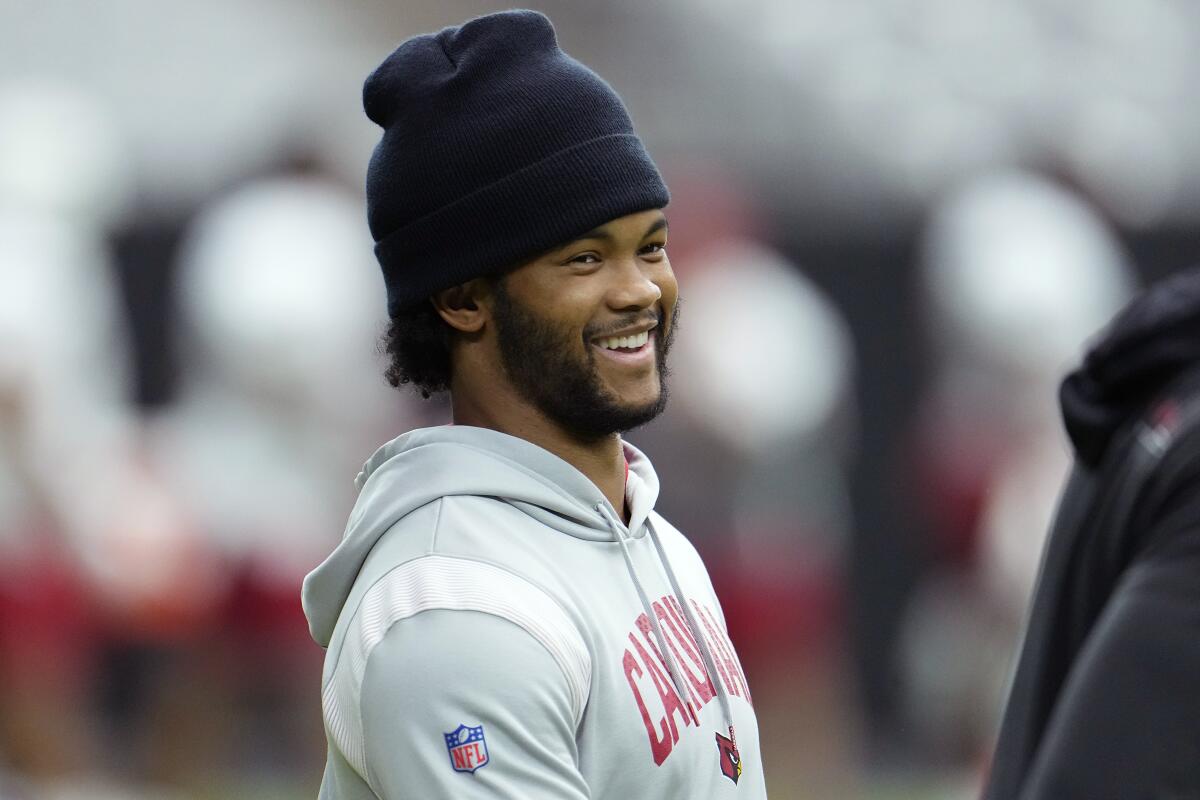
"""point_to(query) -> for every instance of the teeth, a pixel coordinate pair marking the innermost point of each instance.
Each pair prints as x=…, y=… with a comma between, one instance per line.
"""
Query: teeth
x=625, y=342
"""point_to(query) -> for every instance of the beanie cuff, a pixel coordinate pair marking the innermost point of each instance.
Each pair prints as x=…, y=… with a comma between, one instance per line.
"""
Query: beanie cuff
x=501, y=225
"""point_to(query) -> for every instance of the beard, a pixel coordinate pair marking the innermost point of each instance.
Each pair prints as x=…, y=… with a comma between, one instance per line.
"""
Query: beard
x=547, y=370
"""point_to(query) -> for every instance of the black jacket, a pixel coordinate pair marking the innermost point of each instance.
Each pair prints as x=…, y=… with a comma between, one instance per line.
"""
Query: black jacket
x=1105, y=702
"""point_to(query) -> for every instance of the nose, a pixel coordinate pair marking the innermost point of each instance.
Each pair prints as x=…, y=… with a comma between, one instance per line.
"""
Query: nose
x=633, y=287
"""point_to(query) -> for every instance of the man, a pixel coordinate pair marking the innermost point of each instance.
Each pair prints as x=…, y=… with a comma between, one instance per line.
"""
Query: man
x=1105, y=703
x=506, y=616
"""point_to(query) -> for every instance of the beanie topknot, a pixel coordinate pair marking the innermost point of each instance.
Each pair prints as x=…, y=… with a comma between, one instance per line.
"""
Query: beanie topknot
x=496, y=147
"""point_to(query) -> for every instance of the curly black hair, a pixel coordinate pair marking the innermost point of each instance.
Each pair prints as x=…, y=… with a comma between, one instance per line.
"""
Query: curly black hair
x=418, y=341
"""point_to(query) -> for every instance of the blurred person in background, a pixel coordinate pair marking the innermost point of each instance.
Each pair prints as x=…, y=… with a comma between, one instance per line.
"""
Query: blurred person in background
x=1104, y=702
x=74, y=493
x=1017, y=272
x=278, y=319
x=506, y=614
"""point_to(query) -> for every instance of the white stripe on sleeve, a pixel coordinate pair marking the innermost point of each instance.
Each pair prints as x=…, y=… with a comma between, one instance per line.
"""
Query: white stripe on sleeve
x=447, y=583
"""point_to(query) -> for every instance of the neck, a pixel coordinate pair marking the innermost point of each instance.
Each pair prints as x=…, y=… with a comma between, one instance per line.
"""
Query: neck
x=602, y=460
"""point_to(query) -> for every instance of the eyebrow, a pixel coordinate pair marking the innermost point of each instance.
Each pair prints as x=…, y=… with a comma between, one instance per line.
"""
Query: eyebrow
x=599, y=233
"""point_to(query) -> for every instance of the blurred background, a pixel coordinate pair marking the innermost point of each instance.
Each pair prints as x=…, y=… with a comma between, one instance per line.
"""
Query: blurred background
x=896, y=224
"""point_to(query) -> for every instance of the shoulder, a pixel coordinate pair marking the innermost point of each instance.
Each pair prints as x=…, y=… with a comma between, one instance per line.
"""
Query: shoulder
x=1165, y=493
x=438, y=581
x=443, y=687
x=449, y=603
x=679, y=548
x=1168, y=518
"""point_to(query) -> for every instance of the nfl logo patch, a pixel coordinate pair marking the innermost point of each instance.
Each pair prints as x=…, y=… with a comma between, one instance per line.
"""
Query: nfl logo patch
x=467, y=748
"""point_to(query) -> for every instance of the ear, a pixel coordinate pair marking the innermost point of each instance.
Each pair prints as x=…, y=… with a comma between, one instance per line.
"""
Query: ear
x=461, y=307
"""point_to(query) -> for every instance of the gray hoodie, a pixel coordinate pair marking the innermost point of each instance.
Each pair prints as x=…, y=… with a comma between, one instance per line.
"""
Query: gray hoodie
x=494, y=630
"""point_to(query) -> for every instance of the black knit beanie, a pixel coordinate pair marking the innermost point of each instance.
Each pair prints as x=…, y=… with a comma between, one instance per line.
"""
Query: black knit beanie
x=497, y=146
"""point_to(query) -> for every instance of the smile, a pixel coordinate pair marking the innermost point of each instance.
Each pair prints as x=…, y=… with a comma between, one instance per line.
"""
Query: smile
x=633, y=349
x=632, y=342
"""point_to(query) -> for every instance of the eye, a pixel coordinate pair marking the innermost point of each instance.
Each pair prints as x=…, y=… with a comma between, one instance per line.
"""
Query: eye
x=653, y=249
x=585, y=258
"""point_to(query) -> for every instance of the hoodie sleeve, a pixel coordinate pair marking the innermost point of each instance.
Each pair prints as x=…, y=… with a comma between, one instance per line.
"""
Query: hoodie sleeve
x=1127, y=723
x=467, y=704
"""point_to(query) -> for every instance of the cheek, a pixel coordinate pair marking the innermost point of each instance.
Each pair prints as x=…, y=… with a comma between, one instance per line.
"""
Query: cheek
x=561, y=302
x=670, y=289
x=572, y=309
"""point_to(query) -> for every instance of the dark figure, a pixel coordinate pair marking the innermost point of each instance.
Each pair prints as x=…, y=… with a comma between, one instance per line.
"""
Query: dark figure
x=1106, y=698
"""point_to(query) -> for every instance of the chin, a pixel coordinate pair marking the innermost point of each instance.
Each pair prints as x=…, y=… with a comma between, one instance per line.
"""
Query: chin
x=607, y=412
x=640, y=397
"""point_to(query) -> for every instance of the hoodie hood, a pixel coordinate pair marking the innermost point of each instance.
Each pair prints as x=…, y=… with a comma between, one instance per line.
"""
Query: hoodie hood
x=430, y=463
x=1153, y=340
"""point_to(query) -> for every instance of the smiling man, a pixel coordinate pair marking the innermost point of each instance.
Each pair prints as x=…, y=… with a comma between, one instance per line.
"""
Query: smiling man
x=507, y=616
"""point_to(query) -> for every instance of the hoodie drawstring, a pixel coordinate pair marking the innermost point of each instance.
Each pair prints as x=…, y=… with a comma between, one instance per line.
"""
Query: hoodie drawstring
x=668, y=657
x=710, y=663
x=689, y=617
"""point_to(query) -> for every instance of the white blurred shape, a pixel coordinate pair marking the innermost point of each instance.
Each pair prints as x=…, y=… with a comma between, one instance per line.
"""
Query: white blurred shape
x=62, y=153
x=763, y=357
x=63, y=370
x=282, y=293
x=59, y=317
x=1019, y=273
x=284, y=302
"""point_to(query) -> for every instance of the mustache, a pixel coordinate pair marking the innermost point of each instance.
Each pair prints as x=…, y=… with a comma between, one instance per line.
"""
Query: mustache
x=630, y=321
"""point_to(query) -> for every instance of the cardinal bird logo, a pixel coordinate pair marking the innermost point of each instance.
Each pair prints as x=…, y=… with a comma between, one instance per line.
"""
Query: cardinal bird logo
x=731, y=761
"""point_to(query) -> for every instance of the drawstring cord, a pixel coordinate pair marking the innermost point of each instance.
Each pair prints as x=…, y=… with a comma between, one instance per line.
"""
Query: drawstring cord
x=668, y=657
x=710, y=663
x=689, y=613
